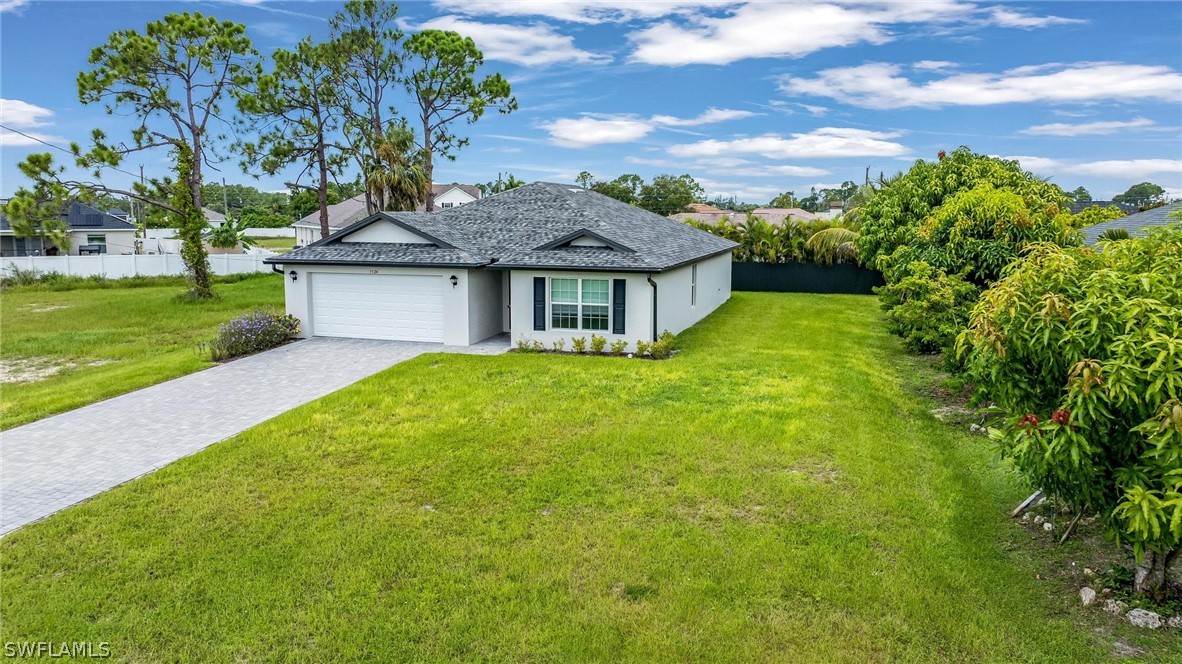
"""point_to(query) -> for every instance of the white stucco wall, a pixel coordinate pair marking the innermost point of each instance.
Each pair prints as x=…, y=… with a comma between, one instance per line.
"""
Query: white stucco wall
x=637, y=314
x=456, y=331
x=118, y=242
x=385, y=231
x=674, y=309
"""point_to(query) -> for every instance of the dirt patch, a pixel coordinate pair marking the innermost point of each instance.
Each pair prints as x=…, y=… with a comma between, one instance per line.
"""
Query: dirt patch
x=33, y=369
x=42, y=308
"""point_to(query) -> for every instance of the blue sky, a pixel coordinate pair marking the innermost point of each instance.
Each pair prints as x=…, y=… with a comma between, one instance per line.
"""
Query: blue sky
x=751, y=99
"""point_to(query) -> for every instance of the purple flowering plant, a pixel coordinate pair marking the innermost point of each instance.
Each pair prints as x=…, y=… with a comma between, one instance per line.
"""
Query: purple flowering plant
x=252, y=332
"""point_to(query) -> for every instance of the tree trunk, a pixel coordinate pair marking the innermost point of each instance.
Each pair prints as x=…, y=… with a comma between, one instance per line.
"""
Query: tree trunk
x=192, y=221
x=428, y=167
x=322, y=189
x=1154, y=573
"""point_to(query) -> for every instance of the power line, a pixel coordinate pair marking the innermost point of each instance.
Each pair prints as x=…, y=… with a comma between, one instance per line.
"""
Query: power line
x=60, y=148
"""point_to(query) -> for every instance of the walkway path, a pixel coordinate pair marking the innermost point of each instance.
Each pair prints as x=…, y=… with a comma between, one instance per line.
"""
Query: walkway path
x=58, y=461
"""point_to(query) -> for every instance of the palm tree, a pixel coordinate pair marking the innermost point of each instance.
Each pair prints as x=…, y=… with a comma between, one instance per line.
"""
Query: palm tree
x=398, y=181
x=1114, y=234
x=834, y=245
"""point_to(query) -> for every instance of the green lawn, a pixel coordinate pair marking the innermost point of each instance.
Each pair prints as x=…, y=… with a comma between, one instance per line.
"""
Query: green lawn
x=110, y=340
x=278, y=244
x=776, y=492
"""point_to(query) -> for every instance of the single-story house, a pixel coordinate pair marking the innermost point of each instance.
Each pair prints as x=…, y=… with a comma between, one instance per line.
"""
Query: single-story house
x=91, y=231
x=777, y=216
x=1135, y=224
x=352, y=210
x=542, y=262
x=213, y=217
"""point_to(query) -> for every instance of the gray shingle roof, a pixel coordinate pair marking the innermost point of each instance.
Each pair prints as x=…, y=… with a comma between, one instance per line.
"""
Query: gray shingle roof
x=510, y=230
x=1135, y=224
x=382, y=253
x=82, y=217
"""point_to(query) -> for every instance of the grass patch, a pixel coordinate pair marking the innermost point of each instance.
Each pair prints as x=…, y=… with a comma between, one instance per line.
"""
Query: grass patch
x=773, y=493
x=93, y=343
x=280, y=245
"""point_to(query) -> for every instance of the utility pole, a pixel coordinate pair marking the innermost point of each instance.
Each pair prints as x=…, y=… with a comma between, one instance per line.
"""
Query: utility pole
x=225, y=201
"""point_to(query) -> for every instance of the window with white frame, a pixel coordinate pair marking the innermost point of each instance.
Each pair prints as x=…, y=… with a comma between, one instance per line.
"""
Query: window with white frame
x=579, y=304
x=693, y=285
x=446, y=205
x=96, y=239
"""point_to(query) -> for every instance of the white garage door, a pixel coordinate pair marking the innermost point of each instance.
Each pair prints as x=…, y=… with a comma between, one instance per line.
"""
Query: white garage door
x=377, y=306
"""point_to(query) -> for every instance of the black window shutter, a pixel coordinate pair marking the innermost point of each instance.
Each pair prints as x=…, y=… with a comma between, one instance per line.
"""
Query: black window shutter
x=618, y=286
x=540, y=303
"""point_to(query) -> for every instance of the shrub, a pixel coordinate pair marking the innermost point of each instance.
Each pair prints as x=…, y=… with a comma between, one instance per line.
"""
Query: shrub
x=579, y=344
x=538, y=346
x=1083, y=352
x=928, y=307
x=524, y=345
x=619, y=346
x=663, y=347
x=252, y=332
x=598, y=343
x=642, y=348
x=18, y=276
x=558, y=345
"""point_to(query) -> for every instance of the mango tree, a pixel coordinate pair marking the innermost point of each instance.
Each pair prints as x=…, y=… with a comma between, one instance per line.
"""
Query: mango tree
x=1082, y=350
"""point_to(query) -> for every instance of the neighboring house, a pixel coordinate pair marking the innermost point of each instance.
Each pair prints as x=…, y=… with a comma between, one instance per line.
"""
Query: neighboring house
x=1135, y=224
x=352, y=210
x=345, y=213
x=543, y=262
x=833, y=211
x=454, y=195
x=776, y=216
x=213, y=217
x=704, y=208
x=92, y=231
x=1080, y=206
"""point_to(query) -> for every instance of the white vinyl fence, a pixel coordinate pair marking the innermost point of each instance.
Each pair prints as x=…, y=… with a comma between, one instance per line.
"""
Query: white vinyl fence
x=286, y=231
x=116, y=266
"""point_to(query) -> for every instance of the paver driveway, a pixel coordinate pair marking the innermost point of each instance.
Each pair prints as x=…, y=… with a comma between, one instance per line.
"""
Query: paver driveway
x=58, y=461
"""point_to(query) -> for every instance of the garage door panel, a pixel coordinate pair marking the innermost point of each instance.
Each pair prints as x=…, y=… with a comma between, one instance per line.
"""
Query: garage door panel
x=384, y=306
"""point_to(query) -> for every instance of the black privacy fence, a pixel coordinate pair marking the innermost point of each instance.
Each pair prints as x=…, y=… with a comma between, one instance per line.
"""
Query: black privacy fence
x=804, y=278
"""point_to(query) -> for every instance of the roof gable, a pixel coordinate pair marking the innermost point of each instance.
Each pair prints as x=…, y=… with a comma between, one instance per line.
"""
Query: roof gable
x=583, y=238
x=359, y=230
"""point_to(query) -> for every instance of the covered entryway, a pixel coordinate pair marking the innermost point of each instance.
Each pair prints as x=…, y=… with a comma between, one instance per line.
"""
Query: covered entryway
x=377, y=306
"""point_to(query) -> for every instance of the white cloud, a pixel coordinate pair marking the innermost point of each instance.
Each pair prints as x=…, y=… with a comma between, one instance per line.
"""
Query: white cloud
x=1010, y=18
x=1087, y=128
x=778, y=170
x=587, y=131
x=881, y=85
x=580, y=11
x=597, y=129
x=12, y=5
x=732, y=167
x=22, y=114
x=25, y=119
x=775, y=30
x=933, y=65
x=1126, y=169
x=530, y=45
x=793, y=30
x=819, y=143
x=709, y=116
